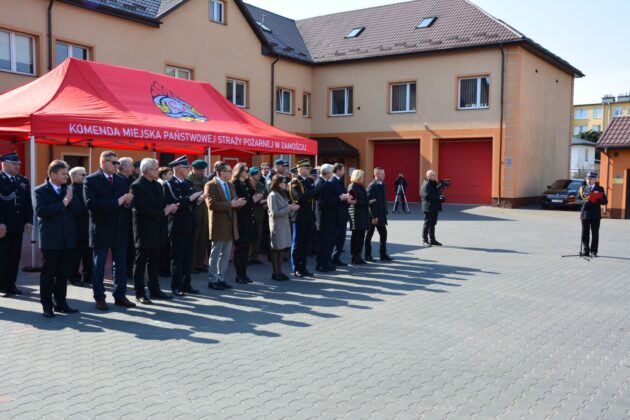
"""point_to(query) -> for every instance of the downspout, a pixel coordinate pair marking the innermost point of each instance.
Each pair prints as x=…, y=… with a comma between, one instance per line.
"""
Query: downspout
x=50, y=43
x=273, y=88
x=608, y=188
x=501, y=124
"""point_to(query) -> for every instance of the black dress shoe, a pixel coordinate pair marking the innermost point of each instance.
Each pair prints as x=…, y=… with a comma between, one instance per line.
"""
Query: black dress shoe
x=225, y=285
x=65, y=309
x=307, y=273
x=77, y=283
x=436, y=243
x=48, y=313
x=594, y=254
x=322, y=269
x=331, y=268
x=338, y=262
x=144, y=300
x=241, y=280
x=298, y=273
x=15, y=291
x=160, y=295
x=4, y=293
x=386, y=257
x=215, y=286
x=178, y=293
x=369, y=258
x=284, y=277
x=190, y=291
x=426, y=243
x=279, y=277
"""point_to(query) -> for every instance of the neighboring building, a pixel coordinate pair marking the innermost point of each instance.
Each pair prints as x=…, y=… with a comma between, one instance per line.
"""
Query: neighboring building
x=582, y=158
x=431, y=84
x=597, y=117
x=615, y=167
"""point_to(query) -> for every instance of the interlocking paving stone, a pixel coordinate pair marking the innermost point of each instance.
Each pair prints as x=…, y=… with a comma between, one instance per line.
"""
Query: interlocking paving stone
x=495, y=324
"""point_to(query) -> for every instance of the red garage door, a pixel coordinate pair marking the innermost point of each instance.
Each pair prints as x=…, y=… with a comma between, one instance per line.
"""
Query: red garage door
x=399, y=157
x=468, y=163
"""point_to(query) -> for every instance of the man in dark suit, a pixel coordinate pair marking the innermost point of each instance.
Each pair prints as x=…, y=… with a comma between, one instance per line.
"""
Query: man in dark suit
x=56, y=237
x=107, y=198
x=342, y=213
x=593, y=198
x=16, y=218
x=378, y=206
x=126, y=169
x=327, y=213
x=181, y=224
x=149, y=212
x=431, y=193
x=81, y=254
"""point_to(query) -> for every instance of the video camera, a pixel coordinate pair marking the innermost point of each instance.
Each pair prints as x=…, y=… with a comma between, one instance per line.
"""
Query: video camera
x=444, y=183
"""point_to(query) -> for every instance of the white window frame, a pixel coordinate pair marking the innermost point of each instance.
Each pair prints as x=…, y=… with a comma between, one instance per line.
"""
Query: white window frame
x=177, y=70
x=217, y=7
x=598, y=113
x=70, y=51
x=581, y=114
x=238, y=82
x=618, y=108
x=280, y=103
x=306, y=105
x=579, y=129
x=408, y=101
x=13, y=53
x=346, y=105
x=478, y=102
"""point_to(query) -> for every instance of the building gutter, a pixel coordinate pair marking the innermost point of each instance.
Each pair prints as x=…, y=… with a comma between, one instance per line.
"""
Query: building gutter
x=500, y=183
x=273, y=89
x=50, y=38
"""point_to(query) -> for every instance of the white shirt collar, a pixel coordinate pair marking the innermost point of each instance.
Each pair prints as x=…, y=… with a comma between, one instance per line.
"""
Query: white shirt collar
x=222, y=182
x=55, y=187
x=178, y=179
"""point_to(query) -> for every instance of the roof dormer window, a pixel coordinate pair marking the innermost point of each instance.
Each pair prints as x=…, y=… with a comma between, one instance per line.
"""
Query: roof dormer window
x=355, y=32
x=426, y=22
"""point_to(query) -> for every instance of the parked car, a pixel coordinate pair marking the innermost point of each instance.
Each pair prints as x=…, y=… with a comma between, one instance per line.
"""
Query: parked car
x=562, y=193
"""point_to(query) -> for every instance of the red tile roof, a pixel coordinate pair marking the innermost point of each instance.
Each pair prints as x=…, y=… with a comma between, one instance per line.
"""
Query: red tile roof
x=617, y=135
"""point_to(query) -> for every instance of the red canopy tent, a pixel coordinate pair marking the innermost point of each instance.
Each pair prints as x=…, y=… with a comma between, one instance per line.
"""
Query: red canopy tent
x=85, y=103
x=88, y=103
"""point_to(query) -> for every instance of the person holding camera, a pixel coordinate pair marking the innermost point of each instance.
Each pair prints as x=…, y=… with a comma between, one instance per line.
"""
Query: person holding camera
x=593, y=197
x=431, y=206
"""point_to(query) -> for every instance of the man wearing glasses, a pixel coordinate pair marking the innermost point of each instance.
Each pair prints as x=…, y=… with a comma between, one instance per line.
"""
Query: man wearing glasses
x=107, y=198
x=16, y=218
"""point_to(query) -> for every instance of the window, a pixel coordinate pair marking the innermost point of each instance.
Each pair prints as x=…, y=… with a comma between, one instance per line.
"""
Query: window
x=341, y=101
x=17, y=53
x=617, y=112
x=597, y=127
x=578, y=129
x=628, y=111
x=598, y=112
x=581, y=114
x=63, y=51
x=474, y=92
x=585, y=155
x=426, y=22
x=179, y=72
x=402, y=97
x=237, y=92
x=284, y=101
x=217, y=11
x=355, y=32
x=306, y=105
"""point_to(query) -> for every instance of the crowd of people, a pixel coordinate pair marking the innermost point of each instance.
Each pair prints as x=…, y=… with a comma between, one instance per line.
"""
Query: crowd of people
x=176, y=221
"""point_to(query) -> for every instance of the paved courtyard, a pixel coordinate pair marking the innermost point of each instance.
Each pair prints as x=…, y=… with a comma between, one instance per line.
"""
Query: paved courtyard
x=493, y=325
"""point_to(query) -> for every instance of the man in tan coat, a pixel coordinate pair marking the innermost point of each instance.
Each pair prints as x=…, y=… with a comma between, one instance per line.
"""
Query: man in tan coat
x=221, y=200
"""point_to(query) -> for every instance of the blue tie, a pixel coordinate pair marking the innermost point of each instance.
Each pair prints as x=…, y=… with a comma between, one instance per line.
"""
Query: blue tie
x=227, y=191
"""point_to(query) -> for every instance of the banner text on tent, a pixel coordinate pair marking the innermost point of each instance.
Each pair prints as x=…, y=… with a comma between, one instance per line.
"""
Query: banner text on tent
x=183, y=136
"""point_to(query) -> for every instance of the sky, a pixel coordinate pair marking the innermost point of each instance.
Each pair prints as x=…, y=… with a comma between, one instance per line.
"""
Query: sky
x=590, y=34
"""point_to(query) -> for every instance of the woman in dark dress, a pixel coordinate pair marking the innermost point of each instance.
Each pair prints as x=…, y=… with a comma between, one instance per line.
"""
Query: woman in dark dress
x=245, y=220
x=359, y=215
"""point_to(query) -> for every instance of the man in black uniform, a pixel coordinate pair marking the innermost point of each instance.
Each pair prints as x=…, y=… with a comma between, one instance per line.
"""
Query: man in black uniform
x=302, y=192
x=431, y=206
x=16, y=218
x=593, y=197
x=181, y=224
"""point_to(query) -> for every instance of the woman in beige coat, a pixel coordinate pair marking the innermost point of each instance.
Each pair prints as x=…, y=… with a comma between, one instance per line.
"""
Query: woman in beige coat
x=279, y=224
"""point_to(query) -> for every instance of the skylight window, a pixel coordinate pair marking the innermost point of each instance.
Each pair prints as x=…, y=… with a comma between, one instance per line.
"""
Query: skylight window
x=355, y=32
x=426, y=22
x=263, y=26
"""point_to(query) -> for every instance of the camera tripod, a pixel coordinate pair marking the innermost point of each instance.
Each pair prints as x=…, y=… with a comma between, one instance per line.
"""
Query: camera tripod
x=581, y=253
x=401, y=191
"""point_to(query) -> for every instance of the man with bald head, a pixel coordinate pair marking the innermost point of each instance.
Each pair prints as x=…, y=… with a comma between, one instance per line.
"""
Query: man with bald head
x=431, y=206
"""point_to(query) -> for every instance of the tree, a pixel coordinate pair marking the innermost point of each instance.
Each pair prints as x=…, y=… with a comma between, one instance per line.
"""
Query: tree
x=590, y=135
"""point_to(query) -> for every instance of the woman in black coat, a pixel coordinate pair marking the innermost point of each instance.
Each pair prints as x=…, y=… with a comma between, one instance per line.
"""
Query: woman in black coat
x=245, y=219
x=359, y=215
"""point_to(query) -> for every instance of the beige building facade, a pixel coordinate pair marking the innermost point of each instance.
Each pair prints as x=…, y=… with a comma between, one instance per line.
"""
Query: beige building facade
x=495, y=116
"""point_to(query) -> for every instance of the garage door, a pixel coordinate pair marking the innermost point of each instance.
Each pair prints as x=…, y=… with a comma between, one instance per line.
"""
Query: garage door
x=399, y=157
x=469, y=166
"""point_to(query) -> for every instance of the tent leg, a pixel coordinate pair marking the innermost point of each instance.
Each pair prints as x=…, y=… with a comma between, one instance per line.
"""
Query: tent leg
x=209, y=169
x=90, y=160
x=33, y=268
